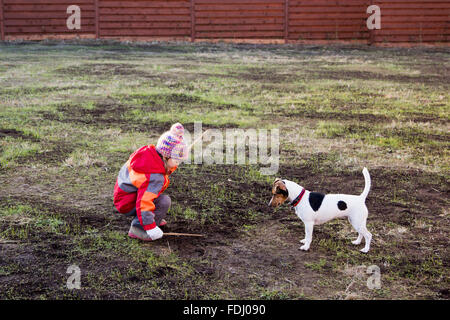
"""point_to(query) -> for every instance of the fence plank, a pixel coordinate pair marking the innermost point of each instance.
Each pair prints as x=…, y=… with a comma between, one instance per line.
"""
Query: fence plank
x=44, y=22
x=48, y=2
x=192, y=13
x=43, y=15
x=234, y=27
x=286, y=20
x=234, y=2
x=162, y=11
x=43, y=7
x=47, y=29
x=241, y=35
x=371, y=39
x=146, y=32
x=142, y=18
x=240, y=21
x=2, y=27
x=97, y=21
x=145, y=4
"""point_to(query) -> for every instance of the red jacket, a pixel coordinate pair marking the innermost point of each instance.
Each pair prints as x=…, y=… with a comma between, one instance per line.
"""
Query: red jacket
x=141, y=180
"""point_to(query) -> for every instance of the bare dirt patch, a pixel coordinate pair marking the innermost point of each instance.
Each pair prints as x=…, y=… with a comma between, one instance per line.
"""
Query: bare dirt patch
x=37, y=90
x=105, y=70
x=271, y=75
x=180, y=101
x=265, y=75
x=108, y=113
x=111, y=113
x=420, y=117
x=436, y=80
x=16, y=134
x=327, y=115
x=51, y=152
x=54, y=153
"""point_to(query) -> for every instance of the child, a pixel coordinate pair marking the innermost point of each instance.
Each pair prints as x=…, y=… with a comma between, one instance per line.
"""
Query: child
x=142, y=180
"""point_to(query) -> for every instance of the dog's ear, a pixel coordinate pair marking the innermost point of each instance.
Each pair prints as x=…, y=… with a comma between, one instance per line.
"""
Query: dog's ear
x=274, y=185
x=283, y=191
x=277, y=180
x=280, y=187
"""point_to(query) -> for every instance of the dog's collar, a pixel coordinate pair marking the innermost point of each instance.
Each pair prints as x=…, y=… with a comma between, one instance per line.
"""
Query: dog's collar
x=296, y=201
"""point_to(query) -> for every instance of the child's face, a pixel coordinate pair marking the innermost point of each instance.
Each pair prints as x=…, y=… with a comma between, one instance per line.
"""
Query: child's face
x=171, y=164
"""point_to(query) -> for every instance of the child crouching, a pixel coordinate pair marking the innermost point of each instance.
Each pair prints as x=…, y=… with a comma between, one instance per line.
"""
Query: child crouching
x=142, y=180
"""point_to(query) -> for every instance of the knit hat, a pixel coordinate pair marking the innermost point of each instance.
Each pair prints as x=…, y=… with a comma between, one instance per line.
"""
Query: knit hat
x=171, y=144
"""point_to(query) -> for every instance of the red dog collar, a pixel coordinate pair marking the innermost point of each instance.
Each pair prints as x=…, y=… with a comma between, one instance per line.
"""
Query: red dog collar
x=296, y=201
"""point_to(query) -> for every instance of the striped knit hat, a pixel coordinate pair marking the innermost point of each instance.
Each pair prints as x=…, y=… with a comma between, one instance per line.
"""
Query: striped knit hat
x=171, y=144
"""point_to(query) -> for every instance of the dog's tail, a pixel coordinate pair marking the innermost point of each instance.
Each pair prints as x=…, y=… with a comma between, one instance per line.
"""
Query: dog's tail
x=367, y=186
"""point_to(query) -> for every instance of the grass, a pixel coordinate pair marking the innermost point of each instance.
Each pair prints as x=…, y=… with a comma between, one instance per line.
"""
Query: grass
x=13, y=149
x=70, y=117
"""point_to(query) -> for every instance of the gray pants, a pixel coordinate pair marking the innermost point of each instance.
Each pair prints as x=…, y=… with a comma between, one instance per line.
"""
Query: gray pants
x=162, y=205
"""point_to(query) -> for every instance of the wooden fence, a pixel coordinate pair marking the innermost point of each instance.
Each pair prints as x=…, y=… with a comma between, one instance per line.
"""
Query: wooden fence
x=304, y=21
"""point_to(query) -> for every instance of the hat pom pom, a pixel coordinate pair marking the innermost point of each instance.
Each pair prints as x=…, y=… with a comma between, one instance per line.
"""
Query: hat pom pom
x=177, y=130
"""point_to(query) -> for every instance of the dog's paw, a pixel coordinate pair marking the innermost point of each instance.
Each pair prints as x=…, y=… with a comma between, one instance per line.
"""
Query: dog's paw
x=305, y=248
x=356, y=242
x=364, y=250
x=303, y=241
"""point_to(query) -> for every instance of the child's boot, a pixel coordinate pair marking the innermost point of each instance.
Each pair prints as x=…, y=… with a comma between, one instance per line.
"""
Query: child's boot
x=137, y=233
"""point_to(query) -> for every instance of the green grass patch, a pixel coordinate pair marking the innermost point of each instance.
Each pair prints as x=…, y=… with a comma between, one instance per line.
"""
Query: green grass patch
x=13, y=149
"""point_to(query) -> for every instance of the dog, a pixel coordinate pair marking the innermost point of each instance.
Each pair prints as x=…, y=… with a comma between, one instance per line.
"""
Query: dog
x=315, y=208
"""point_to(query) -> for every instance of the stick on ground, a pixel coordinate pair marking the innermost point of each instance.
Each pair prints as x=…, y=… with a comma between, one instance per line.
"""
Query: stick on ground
x=183, y=234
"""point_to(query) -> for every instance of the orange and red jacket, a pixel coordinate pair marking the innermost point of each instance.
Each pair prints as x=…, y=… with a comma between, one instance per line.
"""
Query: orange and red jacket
x=141, y=180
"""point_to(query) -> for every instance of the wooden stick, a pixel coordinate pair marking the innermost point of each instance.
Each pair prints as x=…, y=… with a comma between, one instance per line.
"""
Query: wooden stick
x=8, y=241
x=183, y=234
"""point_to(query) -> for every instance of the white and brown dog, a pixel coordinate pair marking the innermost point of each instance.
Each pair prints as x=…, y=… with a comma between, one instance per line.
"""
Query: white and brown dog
x=316, y=208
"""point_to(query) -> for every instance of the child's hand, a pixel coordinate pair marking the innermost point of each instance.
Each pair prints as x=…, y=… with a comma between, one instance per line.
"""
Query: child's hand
x=155, y=233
